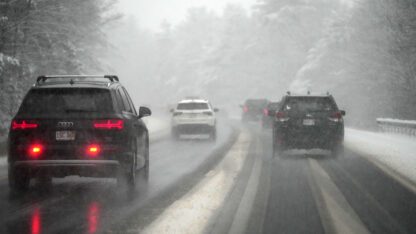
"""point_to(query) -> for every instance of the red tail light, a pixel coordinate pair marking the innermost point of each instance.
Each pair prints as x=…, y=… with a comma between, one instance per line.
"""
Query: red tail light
x=245, y=109
x=109, y=124
x=24, y=124
x=265, y=112
x=35, y=151
x=336, y=116
x=281, y=116
x=93, y=150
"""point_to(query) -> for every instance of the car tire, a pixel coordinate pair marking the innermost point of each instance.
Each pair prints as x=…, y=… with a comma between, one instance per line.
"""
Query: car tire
x=127, y=175
x=213, y=134
x=18, y=180
x=175, y=134
x=145, y=171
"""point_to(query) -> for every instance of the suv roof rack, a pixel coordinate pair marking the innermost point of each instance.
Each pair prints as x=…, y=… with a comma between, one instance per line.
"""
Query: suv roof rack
x=44, y=78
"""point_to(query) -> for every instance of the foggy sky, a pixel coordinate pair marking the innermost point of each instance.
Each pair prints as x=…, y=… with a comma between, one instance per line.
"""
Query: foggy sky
x=151, y=13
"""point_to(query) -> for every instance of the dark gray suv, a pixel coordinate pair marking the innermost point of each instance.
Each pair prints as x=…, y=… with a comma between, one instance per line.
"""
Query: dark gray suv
x=309, y=121
x=77, y=125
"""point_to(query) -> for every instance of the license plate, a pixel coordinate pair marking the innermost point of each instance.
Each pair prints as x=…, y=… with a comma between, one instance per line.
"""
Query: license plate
x=308, y=122
x=65, y=135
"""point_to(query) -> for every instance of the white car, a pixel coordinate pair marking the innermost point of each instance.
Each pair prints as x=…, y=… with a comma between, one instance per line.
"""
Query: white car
x=194, y=117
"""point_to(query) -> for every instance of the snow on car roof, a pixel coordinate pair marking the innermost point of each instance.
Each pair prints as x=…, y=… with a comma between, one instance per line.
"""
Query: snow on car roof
x=193, y=100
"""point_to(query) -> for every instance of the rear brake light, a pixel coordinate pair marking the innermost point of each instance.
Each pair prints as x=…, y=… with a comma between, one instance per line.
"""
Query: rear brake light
x=35, y=151
x=24, y=124
x=109, y=124
x=93, y=150
x=208, y=113
x=245, y=109
x=282, y=116
x=336, y=117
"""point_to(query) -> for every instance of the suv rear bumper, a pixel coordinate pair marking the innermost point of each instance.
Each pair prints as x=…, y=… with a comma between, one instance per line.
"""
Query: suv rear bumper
x=194, y=128
x=62, y=168
x=324, y=138
x=193, y=121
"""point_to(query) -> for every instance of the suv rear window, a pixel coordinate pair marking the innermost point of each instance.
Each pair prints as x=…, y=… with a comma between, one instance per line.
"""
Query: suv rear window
x=67, y=100
x=193, y=106
x=309, y=104
x=257, y=103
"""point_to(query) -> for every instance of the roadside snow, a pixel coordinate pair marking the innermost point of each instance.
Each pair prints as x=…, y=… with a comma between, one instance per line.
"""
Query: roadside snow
x=397, y=152
x=192, y=213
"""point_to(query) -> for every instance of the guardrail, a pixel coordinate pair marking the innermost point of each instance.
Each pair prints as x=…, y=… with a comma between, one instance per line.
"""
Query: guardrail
x=404, y=127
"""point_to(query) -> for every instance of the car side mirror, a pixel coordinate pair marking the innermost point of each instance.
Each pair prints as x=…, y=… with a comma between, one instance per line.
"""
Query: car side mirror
x=216, y=109
x=144, y=111
x=343, y=113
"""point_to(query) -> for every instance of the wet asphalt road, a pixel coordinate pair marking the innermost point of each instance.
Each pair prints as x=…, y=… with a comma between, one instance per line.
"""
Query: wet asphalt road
x=286, y=201
x=86, y=205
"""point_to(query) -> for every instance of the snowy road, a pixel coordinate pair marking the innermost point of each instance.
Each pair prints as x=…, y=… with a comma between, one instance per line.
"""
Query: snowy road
x=234, y=186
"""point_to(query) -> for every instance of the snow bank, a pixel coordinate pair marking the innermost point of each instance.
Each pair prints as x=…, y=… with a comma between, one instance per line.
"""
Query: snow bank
x=397, y=152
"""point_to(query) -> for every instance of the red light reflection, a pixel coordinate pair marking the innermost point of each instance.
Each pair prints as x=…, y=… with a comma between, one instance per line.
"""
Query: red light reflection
x=36, y=221
x=93, y=217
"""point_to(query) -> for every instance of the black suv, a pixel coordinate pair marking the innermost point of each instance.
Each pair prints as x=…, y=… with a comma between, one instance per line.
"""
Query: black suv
x=254, y=109
x=308, y=122
x=77, y=125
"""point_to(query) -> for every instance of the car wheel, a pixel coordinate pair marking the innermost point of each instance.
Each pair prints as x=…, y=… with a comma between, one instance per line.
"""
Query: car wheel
x=213, y=134
x=127, y=175
x=145, y=171
x=18, y=180
x=175, y=134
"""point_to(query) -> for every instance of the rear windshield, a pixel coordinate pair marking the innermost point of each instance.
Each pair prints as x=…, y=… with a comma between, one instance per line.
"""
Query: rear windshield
x=273, y=105
x=257, y=103
x=193, y=106
x=67, y=100
x=309, y=104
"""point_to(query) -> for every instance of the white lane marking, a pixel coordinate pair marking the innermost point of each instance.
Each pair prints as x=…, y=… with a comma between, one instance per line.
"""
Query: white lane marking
x=242, y=216
x=341, y=215
x=193, y=212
